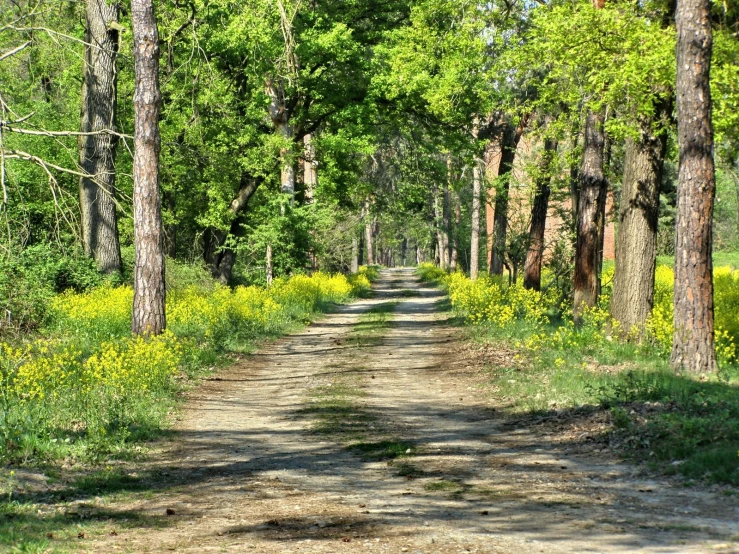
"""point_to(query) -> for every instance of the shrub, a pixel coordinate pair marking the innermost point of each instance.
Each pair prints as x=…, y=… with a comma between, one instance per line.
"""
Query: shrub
x=91, y=380
x=429, y=273
x=726, y=311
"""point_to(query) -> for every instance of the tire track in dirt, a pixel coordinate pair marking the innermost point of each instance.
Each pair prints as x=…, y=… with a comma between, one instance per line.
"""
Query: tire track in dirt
x=246, y=473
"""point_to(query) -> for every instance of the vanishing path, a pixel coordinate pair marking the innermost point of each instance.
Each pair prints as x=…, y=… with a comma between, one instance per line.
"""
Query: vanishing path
x=246, y=471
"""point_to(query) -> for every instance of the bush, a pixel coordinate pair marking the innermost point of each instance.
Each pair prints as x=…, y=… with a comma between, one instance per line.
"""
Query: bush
x=429, y=273
x=726, y=313
x=91, y=386
x=30, y=278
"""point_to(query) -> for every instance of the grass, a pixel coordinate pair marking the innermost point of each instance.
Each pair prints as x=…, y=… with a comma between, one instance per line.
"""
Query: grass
x=372, y=325
x=676, y=423
x=720, y=259
x=67, y=516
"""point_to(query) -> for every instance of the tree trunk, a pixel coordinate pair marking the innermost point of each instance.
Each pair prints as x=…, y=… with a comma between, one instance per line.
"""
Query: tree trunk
x=268, y=265
x=446, y=223
x=442, y=238
x=475, y=234
x=97, y=151
x=220, y=257
x=280, y=117
x=368, y=240
x=693, y=342
x=454, y=250
x=636, y=242
x=535, y=253
x=509, y=143
x=403, y=251
x=593, y=188
x=574, y=188
x=602, y=208
x=310, y=168
x=360, y=258
x=355, y=255
x=149, y=290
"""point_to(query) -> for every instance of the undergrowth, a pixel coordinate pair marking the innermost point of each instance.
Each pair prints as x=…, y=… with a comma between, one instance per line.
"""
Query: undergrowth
x=84, y=389
x=678, y=423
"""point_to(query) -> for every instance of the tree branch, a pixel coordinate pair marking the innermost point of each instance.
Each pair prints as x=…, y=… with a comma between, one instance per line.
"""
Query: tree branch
x=14, y=51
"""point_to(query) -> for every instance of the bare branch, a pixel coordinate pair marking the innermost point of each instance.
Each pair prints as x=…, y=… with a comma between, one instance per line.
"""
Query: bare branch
x=45, y=133
x=14, y=51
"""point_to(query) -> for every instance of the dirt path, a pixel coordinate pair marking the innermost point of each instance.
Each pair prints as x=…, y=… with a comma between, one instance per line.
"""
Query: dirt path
x=248, y=473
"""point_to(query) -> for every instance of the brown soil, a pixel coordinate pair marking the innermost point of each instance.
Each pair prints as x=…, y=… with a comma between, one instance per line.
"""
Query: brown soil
x=246, y=471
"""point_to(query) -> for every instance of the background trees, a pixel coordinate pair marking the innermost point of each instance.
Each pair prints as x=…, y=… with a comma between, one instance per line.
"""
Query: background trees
x=327, y=132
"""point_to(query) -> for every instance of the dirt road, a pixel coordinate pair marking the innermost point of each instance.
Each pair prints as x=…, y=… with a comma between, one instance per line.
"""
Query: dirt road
x=412, y=457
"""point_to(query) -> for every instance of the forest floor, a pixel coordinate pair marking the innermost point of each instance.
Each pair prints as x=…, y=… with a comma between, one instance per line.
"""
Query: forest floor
x=372, y=430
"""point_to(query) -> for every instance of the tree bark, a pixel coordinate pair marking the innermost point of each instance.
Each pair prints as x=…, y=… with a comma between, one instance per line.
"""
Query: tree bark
x=509, y=143
x=360, y=258
x=454, y=249
x=593, y=188
x=310, y=168
x=368, y=236
x=149, y=290
x=97, y=152
x=442, y=239
x=693, y=342
x=355, y=255
x=636, y=242
x=222, y=258
x=280, y=116
x=475, y=234
x=535, y=253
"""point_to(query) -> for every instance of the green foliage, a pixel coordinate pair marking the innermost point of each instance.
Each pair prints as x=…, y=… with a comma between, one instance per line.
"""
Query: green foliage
x=89, y=390
x=678, y=423
x=30, y=278
x=429, y=273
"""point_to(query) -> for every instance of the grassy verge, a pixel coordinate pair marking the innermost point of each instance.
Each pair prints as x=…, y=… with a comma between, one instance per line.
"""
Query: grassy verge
x=73, y=510
x=63, y=439
x=544, y=366
x=676, y=423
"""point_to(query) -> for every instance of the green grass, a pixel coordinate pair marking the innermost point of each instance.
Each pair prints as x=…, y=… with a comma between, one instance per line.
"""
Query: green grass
x=676, y=423
x=720, y=259
x=373, y=325
x=382, y=450
x=65, y=518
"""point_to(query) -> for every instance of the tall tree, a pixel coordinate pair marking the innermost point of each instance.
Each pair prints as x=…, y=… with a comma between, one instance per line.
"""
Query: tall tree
x=475, y=233
x=693, y=341
x=539, y=208
x=638, y=214
x=149, y=289
x=98, y=141
x=591, y=203
x=590, y=209
x=508, y=143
